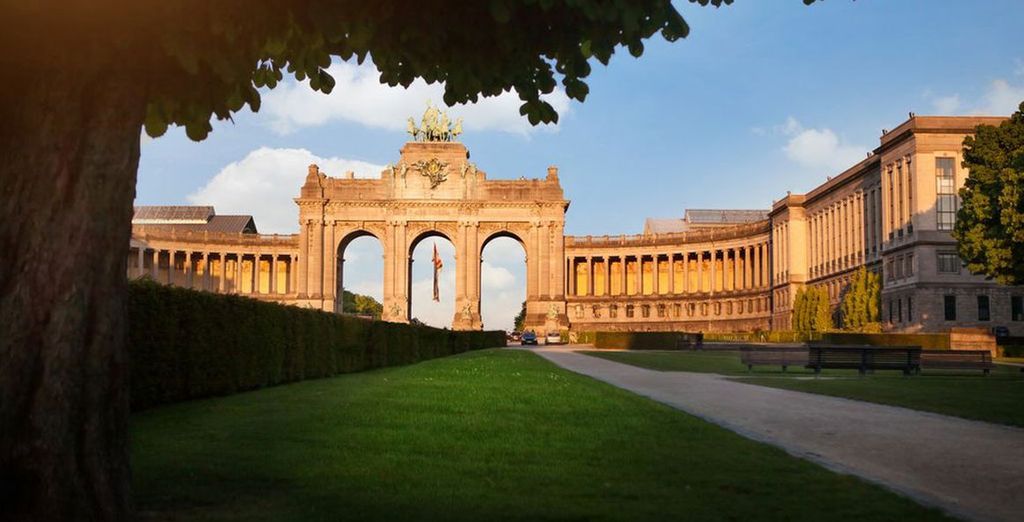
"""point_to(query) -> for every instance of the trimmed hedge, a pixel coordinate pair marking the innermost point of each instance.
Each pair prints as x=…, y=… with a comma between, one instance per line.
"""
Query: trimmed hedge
x=765, y=336
x=648, y=340
x=185, y=344
x=938, y=341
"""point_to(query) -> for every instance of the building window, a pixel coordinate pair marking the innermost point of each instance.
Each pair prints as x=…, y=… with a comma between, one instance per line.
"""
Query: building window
x=910, y=309
x=908, y=269
x=596, y=311
x=691, y=308
x=890, y=310
x=677, y=310
x=898, y=266
x=899, y=310
x=718, y=308
x=983, y=311
x=613, y=311
x=1017, y=308
x=579, y=311
x=704, y=309
x=945, y=191
x=949, y=304
x=661, y=310
x=629, y=311
x=948, y=263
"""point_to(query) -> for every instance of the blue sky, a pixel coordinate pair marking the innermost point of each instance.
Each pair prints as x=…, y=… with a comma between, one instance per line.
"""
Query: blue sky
x=764, y=96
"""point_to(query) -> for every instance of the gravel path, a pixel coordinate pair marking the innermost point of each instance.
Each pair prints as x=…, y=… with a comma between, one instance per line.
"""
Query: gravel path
x=970, y=469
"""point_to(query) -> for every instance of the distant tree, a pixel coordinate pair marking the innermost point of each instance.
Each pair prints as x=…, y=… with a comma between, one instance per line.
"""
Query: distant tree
x=860, y=305
x=359, y=304
x=520, y=320
x=990, y=223
x=84, y=76
x=800, y=323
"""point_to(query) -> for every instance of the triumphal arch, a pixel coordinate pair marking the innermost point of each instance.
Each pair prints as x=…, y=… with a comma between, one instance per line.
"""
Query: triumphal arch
x=433, y=190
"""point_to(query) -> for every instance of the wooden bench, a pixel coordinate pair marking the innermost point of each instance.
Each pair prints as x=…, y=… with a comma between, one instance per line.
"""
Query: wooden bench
x=785, y=357
x=957, y=360
x=864, y=358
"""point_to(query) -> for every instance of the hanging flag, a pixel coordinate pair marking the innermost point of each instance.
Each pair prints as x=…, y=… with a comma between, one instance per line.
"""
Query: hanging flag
x=437, y=269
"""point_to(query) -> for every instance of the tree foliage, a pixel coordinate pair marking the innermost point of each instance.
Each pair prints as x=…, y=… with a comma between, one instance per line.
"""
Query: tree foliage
x=990, y=223
x=520, y=320
x=861, y=304
x=359, y=304
x=198, y=59
x=812, y=311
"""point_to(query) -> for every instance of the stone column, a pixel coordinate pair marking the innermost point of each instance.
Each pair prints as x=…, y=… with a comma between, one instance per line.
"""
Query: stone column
x=623, y=288
x=153, y=270
x=223, y=272
x=607, y=276
x=302, y=269
x=190, y=276
x=714, y=271
x=591, y=285
x=640, y=274
x=686, y=272
x=671, y=273
x=655, y=273
x=272, y=284
x=205, y=280
x=700, y=271
x=239, y=288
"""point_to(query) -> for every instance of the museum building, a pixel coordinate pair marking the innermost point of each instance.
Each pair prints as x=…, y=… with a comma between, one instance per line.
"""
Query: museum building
x=711, y=270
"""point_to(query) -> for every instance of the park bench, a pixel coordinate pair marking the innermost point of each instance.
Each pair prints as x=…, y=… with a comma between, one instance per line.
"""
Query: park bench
x=957, y=360
x=864, y=358
x=784, y=356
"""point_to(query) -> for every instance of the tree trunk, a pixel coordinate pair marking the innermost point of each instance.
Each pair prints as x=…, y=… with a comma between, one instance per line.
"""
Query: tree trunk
x=69, y=151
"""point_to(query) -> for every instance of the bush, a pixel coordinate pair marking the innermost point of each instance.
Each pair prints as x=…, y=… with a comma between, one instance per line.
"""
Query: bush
x=185, y=344
x=648, y=340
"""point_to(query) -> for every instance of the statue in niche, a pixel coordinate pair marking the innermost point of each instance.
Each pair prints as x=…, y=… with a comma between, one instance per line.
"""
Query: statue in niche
x=467, y=312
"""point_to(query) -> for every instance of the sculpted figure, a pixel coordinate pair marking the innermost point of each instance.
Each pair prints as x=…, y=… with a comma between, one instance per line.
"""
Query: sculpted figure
x=412, y=130
x=457, y=130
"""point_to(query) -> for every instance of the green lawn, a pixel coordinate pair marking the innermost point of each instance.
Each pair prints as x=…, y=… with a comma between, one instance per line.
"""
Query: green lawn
x=997, y=398
x=492, y=435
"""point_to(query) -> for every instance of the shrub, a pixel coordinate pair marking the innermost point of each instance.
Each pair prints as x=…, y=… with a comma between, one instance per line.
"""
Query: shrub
x=185, y=344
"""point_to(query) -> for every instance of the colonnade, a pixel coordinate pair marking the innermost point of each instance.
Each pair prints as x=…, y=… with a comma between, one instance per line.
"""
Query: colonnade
x=250, y=273
x=732, y=269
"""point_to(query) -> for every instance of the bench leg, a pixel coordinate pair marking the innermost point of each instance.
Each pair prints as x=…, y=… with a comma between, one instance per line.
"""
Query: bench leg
x=750, y=368
x=986, y=370
x=783, y=368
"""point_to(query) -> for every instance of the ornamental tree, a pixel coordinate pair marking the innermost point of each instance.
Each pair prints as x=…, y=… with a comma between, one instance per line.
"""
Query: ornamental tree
x=990, y=223
x=860, y=305
x=82, y=77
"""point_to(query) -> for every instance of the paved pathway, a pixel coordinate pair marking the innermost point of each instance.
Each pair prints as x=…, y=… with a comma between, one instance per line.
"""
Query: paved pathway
x=970, y=469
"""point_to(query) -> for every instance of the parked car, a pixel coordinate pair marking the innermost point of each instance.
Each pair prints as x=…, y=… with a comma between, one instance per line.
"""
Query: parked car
x=515, y=337
x=529, y=338
x=1001, y=331
x=553, y=338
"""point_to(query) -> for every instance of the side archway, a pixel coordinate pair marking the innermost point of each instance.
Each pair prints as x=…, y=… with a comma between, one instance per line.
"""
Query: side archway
x=503, y=281
x=362, y=251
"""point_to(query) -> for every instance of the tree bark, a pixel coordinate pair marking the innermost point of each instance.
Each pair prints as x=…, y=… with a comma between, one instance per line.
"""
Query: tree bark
x=69, y=151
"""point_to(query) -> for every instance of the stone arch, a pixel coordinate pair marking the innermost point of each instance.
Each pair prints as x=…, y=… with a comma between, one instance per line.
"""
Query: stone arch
x=417, y=236
x=344, y=239
x=488, y=234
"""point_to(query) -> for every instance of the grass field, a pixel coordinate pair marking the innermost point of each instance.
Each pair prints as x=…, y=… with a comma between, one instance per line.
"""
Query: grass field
x=492, y=435
x=997, y=398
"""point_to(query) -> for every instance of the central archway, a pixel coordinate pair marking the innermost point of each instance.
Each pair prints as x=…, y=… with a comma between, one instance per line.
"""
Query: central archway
x=421, y=306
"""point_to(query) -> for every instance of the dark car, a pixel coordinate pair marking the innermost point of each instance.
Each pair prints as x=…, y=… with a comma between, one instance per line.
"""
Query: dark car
x=529, y=338
x=1001, y=331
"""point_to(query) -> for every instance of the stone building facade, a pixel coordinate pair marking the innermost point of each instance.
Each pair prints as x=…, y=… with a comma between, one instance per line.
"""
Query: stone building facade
x=711, y=270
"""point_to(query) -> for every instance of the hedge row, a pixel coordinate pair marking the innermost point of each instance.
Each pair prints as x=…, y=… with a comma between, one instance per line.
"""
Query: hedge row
x=937, y=341
x=764, y=336
x=648, y=340
x=186, y=344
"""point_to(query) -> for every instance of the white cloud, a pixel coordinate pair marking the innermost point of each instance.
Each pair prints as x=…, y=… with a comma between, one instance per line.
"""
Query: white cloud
x=819, y=148
x=358, y=96
x=946, y=104
x=1001, y=98
x=265, y=182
